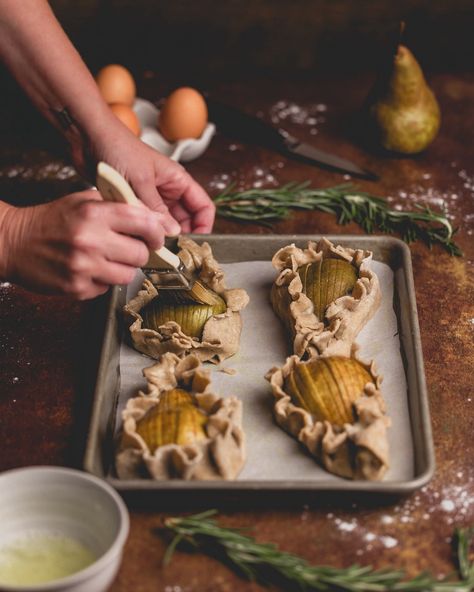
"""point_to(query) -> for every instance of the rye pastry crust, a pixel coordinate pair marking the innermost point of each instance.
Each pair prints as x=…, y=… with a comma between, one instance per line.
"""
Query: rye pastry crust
x=220, y=337
x=218, y=454
x=343, y=318
x=356, y=450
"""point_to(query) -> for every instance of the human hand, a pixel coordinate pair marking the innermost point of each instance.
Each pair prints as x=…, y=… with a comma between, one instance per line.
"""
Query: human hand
x=162, y=184
x=78, y=245
x=52, y=73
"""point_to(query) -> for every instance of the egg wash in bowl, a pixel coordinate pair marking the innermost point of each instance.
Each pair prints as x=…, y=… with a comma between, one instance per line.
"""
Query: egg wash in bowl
x=62, y=530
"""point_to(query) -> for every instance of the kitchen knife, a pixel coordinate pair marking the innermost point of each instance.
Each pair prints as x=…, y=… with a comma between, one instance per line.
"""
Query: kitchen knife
x=252, y=129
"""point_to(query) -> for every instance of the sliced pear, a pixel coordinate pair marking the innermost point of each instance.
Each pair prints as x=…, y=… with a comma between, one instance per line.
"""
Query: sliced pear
x=191, y=317
x=174, y=420
x=325, y=281
x=328, y=387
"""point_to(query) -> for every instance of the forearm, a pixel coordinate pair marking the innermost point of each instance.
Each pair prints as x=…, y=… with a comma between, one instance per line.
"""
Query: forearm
x=4, y=250
x=77, y=245
x=48, y=67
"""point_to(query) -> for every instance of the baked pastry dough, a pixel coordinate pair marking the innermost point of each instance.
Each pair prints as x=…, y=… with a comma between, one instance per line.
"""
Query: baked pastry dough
x=221, y=333
x=344, y=318
x=220, y=455
x=357, y=450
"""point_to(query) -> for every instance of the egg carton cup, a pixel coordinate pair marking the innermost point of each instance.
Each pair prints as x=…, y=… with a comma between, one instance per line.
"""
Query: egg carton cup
x=182, y=151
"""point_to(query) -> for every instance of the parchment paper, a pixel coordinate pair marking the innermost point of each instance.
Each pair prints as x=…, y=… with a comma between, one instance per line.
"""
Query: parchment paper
x=271, y=453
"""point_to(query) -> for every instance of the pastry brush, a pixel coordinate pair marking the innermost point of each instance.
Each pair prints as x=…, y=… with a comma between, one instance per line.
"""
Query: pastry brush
x=164, y=269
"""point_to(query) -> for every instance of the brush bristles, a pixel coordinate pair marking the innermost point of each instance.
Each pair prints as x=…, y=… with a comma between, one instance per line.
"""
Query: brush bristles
x=199, y=293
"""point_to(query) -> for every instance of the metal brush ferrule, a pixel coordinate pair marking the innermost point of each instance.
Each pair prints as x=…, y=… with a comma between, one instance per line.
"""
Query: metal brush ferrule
x=168, y=279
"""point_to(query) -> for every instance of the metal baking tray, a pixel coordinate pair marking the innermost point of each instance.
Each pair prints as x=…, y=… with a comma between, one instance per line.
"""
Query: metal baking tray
x=99, y=454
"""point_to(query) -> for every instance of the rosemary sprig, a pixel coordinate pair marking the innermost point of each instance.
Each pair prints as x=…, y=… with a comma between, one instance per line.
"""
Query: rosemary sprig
x=261, y=561
x=464, y=537
x=344, y=201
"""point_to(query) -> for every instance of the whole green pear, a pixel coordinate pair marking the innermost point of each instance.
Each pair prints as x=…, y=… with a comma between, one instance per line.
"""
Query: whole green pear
x=405, y=111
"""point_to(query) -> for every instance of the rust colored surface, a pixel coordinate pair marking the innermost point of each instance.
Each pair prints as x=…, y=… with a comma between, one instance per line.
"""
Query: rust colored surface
x=49, y=346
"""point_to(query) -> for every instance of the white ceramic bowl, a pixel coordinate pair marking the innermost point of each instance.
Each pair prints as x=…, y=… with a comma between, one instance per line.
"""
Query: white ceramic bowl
x=183, y=150
x=72, y=504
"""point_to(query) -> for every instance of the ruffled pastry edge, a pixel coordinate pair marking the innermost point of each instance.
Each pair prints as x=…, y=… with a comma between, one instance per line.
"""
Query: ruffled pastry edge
x=354, y=451
x=346, y=315
x=220, y=456
x=221, y=333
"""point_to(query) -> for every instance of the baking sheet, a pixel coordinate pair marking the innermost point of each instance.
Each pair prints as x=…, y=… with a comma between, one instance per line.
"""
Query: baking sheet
x=273, y=455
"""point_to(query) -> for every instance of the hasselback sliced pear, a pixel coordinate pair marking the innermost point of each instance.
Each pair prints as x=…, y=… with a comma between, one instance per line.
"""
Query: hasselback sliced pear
x=173, y=306
x=328, y=387
x=174, y=420
x=325, y=281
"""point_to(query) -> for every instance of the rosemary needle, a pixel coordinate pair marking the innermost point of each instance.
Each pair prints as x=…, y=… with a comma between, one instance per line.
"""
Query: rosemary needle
x=259, y=561
x=344, y=201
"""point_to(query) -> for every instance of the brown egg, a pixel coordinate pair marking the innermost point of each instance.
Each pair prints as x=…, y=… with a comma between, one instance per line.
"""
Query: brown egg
x=184, y=115
x=116, y=84
x=127, y=116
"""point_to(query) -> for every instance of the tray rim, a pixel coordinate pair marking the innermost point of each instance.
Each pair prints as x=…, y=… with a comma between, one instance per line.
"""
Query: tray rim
x=288, y=485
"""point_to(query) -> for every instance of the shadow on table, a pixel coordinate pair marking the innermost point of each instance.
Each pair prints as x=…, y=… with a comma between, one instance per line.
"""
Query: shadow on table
x=196, y=501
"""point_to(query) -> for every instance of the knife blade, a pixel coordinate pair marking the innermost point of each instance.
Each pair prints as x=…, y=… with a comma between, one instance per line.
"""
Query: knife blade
x=309, y=152
x=254, y=130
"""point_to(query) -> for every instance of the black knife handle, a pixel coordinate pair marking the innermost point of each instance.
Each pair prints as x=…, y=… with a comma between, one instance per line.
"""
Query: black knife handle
x=248, y=128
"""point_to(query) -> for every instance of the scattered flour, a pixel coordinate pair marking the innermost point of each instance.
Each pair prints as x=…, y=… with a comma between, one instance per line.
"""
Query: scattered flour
x=450, y=200
x=310, y=116
x=345, y=526
x=389, y=542
x=447, y=505
x=467, y=179
x=254, y=177
x=220, y=181
x=50, y=170
x=453, y=504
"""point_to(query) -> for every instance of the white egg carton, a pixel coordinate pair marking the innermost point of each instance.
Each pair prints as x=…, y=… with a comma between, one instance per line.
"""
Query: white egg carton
x=183, y=150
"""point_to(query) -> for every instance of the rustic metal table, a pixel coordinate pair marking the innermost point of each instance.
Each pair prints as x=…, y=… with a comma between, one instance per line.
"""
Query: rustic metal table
x=49, y=346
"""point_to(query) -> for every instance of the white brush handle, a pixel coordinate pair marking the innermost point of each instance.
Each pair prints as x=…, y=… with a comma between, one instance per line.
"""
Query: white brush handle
x=113, y=187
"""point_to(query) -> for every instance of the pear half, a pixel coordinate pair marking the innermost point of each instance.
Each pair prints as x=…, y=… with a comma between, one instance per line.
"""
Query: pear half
x=174, y=420
x=328, y=387
x=190, y=316
x=325, y=281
